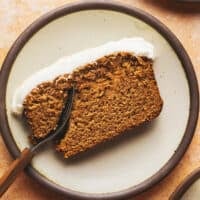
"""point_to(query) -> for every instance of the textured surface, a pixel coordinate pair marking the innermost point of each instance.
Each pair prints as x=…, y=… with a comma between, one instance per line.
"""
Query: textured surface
x=183, y=20
x=44, y=104
x=114, y=94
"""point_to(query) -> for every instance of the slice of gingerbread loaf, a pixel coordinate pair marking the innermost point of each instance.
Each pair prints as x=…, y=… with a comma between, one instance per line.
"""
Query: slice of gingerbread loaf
x=114, y=93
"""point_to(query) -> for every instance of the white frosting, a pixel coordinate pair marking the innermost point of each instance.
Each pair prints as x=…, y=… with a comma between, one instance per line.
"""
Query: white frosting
x=136, y=45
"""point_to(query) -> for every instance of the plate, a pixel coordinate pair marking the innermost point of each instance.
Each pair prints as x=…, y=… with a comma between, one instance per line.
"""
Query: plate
x=123, y=168
x=189, y=188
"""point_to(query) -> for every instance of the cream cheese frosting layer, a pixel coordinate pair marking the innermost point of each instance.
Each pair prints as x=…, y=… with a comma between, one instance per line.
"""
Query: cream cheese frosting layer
x=137, y=46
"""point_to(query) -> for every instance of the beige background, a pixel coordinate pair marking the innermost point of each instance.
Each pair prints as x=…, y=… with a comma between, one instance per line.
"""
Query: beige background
x=182, y=19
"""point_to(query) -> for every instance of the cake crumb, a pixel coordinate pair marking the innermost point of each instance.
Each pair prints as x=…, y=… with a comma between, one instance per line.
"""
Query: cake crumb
x=116, y=93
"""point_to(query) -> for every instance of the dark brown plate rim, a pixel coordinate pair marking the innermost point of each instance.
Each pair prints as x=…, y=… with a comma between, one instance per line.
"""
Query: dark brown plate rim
x=185, y=185
x=175, y=44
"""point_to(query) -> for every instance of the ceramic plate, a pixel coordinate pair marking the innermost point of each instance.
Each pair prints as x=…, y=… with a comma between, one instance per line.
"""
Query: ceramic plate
x=189, y=189
x=125, y=167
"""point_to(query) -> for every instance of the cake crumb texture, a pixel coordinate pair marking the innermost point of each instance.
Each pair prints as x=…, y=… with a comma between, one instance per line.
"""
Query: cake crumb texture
x=116, y=93
x=43, y=106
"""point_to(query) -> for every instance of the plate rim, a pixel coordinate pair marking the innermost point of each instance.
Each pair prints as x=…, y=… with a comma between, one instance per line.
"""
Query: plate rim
x=185, y=184
x=154, y=23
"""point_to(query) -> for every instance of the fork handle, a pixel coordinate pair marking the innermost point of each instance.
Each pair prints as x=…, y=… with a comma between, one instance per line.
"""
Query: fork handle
x=14, y=169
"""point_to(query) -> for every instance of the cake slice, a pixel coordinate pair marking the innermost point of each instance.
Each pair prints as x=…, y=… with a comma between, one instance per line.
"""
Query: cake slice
x=114, y=93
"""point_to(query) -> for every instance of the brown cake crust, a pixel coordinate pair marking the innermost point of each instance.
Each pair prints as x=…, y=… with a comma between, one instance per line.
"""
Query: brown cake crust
x=116, y=93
